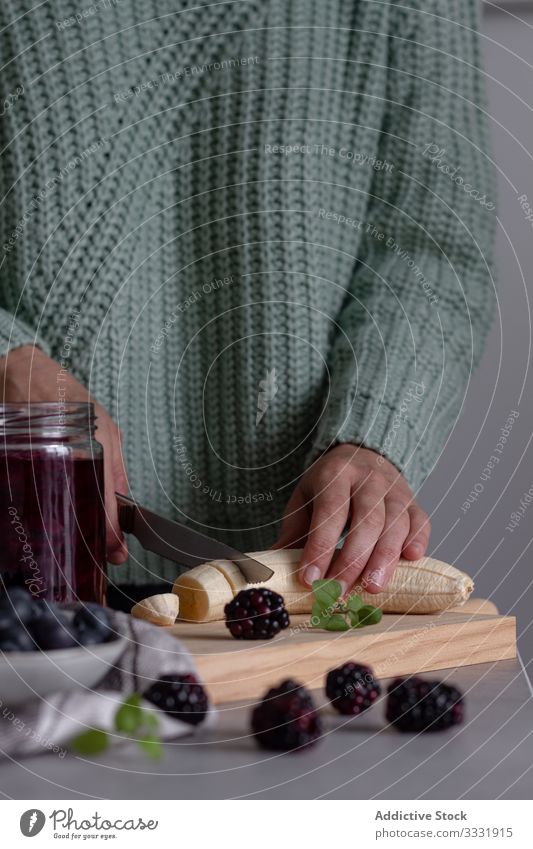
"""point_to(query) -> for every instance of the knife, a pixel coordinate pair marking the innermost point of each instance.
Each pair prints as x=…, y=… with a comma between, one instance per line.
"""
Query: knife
x=182, y=544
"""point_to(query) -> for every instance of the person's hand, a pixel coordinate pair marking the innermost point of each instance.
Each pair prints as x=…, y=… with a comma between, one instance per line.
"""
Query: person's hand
x=353, y=483
x=28, y=374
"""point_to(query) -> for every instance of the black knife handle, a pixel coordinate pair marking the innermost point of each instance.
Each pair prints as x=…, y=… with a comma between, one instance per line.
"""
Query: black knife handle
x=126, y=512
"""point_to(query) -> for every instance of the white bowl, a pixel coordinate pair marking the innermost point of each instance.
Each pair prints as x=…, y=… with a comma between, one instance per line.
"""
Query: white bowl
x=28, y=675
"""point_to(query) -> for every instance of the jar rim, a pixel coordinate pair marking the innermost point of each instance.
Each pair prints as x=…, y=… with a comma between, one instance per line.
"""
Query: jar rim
x=47, y=406
x=47, y=419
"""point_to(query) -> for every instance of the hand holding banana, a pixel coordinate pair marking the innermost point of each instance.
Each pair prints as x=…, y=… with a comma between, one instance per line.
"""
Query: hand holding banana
x=355, y=484
x=423, y=586
x=382, y=559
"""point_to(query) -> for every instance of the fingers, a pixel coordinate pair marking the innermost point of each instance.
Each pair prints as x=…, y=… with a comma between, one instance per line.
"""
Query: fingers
x=116, y=549
x=368, y=516
x=388, y=549
x=385, y=522
x=330, y=512
x=417, y=539
x=115, y=480
x=295, y=524
x=120, y=474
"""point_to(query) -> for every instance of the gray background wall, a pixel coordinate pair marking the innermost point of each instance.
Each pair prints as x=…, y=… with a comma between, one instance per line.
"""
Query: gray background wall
x=500, y=560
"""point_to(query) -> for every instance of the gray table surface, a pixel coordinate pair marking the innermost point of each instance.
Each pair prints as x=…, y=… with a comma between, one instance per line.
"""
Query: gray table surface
x=489, y=757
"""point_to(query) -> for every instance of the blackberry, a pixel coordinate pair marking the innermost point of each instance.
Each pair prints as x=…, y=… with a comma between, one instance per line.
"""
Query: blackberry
x=256, y=614
x=414, y=704
x=352, y=688
x=181, y=696
x=286, y=719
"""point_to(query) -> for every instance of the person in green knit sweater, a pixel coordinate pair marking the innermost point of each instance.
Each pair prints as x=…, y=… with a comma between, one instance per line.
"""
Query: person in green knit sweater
x=259, y=236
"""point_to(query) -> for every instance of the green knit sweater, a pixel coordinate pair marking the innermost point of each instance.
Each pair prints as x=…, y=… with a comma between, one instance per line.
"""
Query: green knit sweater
x=252, y=229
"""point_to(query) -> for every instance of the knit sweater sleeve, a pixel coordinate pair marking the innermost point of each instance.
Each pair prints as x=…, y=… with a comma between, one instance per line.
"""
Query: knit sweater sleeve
x=421, y=298
x=14, y=332
x=16, y=324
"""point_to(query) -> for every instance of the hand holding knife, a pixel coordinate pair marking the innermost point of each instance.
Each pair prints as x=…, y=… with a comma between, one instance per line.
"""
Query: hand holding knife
x=181, y=544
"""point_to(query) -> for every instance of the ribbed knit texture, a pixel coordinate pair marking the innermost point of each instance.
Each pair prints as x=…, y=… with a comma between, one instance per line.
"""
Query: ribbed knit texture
x=130, y=184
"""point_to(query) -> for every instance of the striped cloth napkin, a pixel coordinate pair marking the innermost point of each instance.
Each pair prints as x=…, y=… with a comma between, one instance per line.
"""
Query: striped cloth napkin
x=48, y=725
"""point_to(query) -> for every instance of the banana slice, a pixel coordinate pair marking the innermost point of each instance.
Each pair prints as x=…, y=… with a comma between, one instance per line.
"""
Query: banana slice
x=203, y=592
x=159, y=609
x=232, y=574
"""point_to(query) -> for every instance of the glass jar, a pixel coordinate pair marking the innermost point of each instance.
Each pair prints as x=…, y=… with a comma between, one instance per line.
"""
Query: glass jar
x=52, y=515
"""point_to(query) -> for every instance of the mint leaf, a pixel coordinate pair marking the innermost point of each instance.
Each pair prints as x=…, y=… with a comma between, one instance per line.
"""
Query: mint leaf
x=150, y=720
x=318, y=611
x=336, y=623
x=131, y=719
x=354, y=603
x=320, y=620
x=326, y=592
x=152, y=746
x=369, y=615
x=330, y=613
x=129, y=716
x=90, y=742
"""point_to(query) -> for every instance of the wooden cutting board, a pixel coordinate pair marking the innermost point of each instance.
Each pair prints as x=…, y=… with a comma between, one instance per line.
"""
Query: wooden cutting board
x=235, y=670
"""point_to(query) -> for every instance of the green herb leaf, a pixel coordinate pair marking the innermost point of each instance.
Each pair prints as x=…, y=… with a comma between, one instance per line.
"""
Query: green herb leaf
x=326, y=592
x=131, y=719
x=152, y=746
x=354, y=618
x=369, y=615
x=90, y=742
x=150, y=720
x=318, y=611
x=320, y=620
x=330, y=613
x=336, y=623
x=129, y=716
x=354, y=603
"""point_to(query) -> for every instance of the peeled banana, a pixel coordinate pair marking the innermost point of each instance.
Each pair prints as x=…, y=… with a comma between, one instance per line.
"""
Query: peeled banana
x=422, y=586
x=417, y=586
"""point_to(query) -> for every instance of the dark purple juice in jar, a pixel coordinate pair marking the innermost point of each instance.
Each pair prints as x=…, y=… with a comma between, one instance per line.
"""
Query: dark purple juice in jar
x=52, y=515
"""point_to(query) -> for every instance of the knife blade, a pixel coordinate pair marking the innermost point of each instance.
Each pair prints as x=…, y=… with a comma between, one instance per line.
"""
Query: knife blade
x=182, y=544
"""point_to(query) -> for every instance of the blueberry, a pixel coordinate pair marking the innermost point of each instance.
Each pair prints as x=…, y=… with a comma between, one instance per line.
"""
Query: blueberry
x=43, y=609
x=53, y=615
x=92, y=625
x=8, y=619
x=89, y=637
x=93, y=614
x=19, y=602
x=41, y=606
x=53, y=632
x=17, y=639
